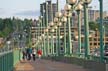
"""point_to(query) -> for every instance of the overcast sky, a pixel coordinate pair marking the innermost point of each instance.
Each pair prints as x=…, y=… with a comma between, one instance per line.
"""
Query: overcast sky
x=27, y=8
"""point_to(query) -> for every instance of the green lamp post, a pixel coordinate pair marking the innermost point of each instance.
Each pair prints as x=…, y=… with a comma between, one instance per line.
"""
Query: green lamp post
x=55, y=27
x=40, y=30
x=47, y=39
x=56, y=21
x=86, y=27
x=52, y=39
x=44, y=50
x=44, y=45
x=70, y=8
x=101, y=32
x=46, y=12
x=64, y=20
x=78, y=9
x=58, y=15
x=68, y=15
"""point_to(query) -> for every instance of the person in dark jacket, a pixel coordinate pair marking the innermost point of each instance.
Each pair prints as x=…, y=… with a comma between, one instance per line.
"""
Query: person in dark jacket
x=29, y=53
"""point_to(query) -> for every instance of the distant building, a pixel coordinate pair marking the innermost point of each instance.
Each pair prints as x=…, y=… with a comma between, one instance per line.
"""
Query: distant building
x=51, y=8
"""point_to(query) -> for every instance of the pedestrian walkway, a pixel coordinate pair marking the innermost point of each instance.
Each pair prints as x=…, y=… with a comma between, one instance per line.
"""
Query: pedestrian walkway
x=46, y=65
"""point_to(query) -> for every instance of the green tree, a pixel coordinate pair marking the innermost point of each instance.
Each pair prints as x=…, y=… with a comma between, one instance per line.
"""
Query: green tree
x=93, y=25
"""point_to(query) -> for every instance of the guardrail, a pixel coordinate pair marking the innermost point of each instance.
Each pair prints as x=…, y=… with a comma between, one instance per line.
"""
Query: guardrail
x=8, y=59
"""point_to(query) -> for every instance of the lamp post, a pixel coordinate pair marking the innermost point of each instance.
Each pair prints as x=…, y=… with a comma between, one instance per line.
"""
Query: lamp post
x=41, y=17
x=55, y=27
x=68, y=9
x=44, y=45
x=59, y=15
x=101, y=32
x=56, y=21
x=19, y=37
x=78, y=9
x=47, y=26
x=8, y=43
x=44, y=50
x=104, y=35
x=64, y=20
x=86, y=27
x=47, y=39
x=52, y=39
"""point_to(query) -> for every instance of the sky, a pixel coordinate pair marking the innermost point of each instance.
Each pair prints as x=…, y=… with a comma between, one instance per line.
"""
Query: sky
x=27, y=8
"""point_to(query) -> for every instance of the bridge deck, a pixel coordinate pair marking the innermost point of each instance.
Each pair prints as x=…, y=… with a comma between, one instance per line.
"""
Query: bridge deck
x=46, y=65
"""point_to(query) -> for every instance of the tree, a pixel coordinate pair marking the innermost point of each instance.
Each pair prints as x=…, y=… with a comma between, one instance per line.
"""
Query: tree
x=93, y=25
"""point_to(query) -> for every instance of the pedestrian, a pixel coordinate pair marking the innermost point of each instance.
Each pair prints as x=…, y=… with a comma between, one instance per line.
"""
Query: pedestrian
x=34, y=54
x=39, y=52
x=29, y=53
x=24, y=54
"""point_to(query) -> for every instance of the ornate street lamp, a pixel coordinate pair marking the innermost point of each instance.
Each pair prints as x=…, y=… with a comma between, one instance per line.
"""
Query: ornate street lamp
x=44, y=47
x=86, y=27
x=52, y=40
x=56, y=21
x=64, y=20
x=51, y=32
x=55, y=27
x=47, y=47
x=68, y=15
x=58, y=15
x=40, y=25
x=40, y=18
x=78, y=9
x=72, y=2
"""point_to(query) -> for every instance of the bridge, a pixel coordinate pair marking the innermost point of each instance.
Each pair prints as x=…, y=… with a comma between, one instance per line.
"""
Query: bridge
x=50, y=33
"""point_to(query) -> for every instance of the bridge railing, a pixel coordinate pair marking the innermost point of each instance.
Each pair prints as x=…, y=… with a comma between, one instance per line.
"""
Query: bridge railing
x=8, y=58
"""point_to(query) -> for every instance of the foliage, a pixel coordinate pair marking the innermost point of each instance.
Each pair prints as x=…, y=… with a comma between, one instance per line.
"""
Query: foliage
x=8, y=25
x=93, y=25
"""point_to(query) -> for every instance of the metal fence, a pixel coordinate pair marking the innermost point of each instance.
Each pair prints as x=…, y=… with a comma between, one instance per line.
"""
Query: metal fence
x=8, y=59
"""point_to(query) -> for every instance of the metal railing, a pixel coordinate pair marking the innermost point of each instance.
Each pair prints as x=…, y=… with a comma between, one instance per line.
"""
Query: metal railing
x=8, y=59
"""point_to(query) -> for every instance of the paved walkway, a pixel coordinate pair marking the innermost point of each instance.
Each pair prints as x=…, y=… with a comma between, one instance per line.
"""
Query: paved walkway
x=46, y=65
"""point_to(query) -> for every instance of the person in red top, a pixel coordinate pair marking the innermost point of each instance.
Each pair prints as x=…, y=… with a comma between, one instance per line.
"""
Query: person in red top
x=39, y=52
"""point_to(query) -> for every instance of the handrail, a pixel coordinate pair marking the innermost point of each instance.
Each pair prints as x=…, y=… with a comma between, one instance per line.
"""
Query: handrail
x=8, y=59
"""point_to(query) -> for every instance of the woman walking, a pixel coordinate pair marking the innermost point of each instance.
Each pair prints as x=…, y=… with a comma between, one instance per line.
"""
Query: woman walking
x=34, y=54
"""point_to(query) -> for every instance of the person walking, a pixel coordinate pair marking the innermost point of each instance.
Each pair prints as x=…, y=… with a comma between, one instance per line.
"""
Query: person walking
x=39, y=52
x=24, y=54
x=34, y=54
x=29, y=53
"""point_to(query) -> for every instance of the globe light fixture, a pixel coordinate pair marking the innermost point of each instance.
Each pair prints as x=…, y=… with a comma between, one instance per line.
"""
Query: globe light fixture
x=51, y=24
x=58, y=14
x=64, y=19
x=52, y=30
x=55, y=27
x=59, y=24
x=72, y=2
x=79, y=7
x=55, y=20
x=67, y=7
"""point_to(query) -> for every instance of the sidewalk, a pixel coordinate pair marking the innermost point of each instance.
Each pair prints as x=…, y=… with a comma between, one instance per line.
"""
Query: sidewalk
x=46, y=65
x=24, y=66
